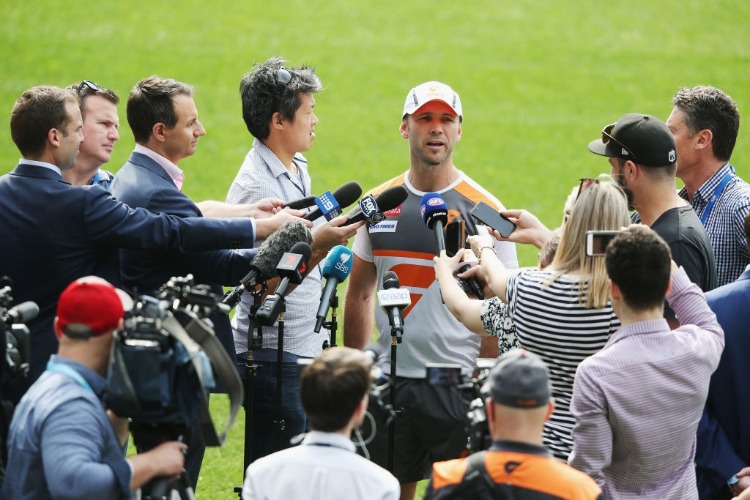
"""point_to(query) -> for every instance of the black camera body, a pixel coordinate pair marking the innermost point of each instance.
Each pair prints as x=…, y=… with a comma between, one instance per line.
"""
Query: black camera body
x=15, y=338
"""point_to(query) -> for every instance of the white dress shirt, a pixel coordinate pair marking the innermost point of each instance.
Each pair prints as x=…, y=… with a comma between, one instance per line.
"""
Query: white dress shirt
x=324, y=466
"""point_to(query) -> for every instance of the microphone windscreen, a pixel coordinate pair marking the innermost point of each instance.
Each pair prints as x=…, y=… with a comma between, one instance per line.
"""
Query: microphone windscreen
x=391, y=198
x=303, y=249
x=433, y=209
x=338, y=263
x=348, y=193
x=301, y=203
x=390, y=280
x=280, y=241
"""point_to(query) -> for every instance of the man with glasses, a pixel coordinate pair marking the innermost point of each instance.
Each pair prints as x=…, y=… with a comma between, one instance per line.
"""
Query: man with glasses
x=642, y=153
x=100, y=133
x=705, y=122
x=278, y=109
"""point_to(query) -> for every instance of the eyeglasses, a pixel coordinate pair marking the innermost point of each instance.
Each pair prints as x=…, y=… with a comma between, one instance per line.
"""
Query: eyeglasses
x=607, y=136
x=283, y=77
x=87, y=84
x=584, y=183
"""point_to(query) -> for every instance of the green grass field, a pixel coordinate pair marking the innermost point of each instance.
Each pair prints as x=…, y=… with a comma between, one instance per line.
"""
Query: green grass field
x=538, y=80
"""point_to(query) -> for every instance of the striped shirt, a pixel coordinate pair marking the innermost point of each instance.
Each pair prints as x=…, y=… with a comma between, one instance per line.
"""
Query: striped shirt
x=637, y=403
x=552, y=322
x=725, y=222
x=262, y=175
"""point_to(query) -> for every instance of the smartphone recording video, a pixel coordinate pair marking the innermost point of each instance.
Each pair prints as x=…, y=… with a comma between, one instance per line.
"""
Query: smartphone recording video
x=597, y=241
x=492, y=218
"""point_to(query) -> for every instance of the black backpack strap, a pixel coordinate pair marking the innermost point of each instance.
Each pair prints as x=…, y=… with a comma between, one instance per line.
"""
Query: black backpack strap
x=476, y=478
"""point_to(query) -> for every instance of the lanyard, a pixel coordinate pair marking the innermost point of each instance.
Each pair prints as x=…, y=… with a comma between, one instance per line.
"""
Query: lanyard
x=66, y=370
x=717, y=193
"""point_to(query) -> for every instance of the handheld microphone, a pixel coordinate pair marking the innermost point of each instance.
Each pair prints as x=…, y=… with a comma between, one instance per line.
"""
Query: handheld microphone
x=301, y=203
x=263, y=266
x=342, y=197
x=435, y=215
x=393, y=299
x=371, y=209
x=292, y=268
x=337, y=267
x=23, y=312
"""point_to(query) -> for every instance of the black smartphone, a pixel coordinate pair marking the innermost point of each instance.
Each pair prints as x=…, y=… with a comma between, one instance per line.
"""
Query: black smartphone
x=597, y=241
x=491, y=217
x=455, y=236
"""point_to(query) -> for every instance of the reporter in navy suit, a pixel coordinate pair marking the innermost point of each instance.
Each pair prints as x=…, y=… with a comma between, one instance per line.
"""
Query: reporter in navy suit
x=52, y=233
x=164, y=120
x=723, y=446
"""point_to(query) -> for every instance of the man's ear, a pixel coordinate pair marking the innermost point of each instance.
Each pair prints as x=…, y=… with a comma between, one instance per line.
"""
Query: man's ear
x=159, y=131
x=614, y=290
x=403, y=129
x=54, y=136
x=277, y=120
x=704, y=139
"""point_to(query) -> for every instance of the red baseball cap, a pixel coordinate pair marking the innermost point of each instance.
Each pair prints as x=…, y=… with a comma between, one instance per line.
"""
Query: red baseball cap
x=89, y=307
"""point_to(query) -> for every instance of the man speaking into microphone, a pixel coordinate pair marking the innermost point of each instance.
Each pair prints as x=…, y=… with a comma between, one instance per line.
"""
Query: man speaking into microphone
x=431, y=427
x=278, y=109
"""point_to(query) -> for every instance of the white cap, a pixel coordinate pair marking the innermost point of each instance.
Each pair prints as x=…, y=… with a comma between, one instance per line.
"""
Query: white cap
x=431, y=91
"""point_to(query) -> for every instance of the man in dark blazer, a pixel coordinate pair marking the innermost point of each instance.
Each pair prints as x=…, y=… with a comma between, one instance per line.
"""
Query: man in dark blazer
x=723, y=447
x=52, y=233
x=164, y=120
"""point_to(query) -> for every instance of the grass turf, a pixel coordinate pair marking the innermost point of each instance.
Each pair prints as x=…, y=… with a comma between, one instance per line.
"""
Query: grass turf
x=538, y=80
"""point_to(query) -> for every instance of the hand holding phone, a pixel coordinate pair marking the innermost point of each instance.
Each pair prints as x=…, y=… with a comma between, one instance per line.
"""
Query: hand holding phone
x=492, y=218
x=597, y=241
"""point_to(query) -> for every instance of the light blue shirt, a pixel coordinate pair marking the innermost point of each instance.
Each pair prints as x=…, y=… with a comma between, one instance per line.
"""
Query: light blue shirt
x=61, y=443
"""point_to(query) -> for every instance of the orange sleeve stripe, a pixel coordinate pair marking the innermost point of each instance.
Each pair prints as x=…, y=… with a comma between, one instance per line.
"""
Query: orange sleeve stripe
x=403, y=254
x=393, y=182
x=473, y=194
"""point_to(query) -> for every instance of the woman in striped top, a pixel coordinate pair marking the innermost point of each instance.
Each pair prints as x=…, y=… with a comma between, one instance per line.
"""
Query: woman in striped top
x=562, y=313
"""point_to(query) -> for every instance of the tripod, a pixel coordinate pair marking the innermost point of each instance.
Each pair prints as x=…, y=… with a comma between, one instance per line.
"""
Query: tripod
x=332, y=325
x=397, y=332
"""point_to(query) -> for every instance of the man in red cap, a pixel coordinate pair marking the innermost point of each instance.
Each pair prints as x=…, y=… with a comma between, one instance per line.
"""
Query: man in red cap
x=61, y=440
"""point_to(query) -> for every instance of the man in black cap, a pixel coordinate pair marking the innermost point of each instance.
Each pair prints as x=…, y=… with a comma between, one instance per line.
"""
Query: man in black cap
x=517, y=465
x=643, y=155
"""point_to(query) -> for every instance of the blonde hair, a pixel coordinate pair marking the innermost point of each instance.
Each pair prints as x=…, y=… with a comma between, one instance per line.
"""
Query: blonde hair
x=601, y=205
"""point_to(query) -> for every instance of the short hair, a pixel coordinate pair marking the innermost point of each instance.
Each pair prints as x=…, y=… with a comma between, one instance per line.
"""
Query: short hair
x=263, y=94
x=85, y=91
x=602, y=205
x=151, y=102
x=333, y=385
x=37, y=111
x=639, y=261
x=707, y=107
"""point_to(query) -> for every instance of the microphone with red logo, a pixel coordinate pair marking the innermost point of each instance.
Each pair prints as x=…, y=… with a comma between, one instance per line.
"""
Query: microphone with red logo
x=435, y=215
x=292, y=268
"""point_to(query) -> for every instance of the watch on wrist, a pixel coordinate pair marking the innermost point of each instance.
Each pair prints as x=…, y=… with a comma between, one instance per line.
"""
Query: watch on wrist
x=732, y=481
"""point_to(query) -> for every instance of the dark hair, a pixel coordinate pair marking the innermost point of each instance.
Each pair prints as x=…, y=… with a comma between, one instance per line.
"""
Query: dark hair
x=85, y=91
x=151, y=102
x=707, y=107
x=35, y=113
x=333, y=385
x=263, y=94
x=638, y=261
